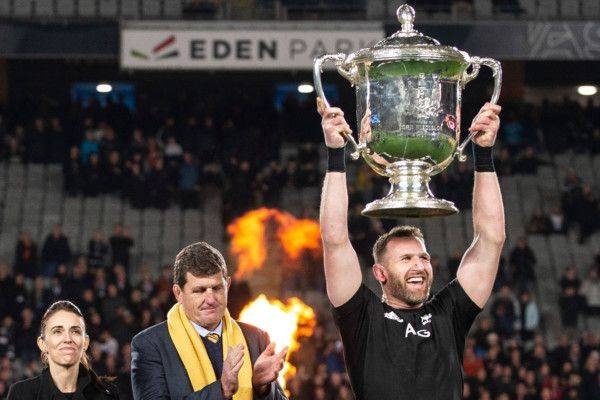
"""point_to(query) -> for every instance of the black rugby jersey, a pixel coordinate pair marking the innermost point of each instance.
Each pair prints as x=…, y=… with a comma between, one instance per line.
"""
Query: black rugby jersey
x=394, y=354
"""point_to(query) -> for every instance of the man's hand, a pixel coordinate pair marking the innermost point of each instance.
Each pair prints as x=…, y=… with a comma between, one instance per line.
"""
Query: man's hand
x=333, y=124
x=231, y=367
x=266, y=368
x=487, y=123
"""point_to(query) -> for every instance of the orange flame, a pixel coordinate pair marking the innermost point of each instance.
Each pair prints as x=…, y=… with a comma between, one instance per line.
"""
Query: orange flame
x=285, y=324
x=248, y=242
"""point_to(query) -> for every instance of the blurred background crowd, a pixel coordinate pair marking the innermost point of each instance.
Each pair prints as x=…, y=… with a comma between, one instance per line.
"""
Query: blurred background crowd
x=182, y=140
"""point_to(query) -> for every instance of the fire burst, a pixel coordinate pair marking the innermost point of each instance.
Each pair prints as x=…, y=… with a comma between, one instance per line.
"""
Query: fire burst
x=248, y=242
x=285, y=324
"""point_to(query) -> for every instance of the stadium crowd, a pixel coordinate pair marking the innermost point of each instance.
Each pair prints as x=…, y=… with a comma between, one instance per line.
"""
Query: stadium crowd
x=156, y=157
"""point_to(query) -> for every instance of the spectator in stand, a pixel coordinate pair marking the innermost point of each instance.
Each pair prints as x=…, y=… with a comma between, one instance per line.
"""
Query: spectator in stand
x=528, y=162
x=587, y=213
x=529, y=316
x=89, y=146
x=92, y=185
x=590, y=290
x=15, y=145
x=109, y=143
x=504, y=312
x=569, y=279
x=26, y=256
x=571, y=303
x=97, y=250
x=571, y=196
x=35, y=142
x=522, y=262
x=539, y=223
x=56, y=251
x=138, y=143
x=57, y=141
x=135, y=189
x=173, y=151
x=73, y=172
x=25, y=335
x=158, y=185
x=113, y=174
x=513, y=133
x=7, y=288
x=590, y=382
x=79, y=280
x=503, y=163
x=557, y=218
x=189, y=173
x=120, y=244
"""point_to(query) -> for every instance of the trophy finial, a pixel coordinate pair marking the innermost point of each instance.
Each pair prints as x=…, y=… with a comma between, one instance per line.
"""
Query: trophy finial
x=406, y=16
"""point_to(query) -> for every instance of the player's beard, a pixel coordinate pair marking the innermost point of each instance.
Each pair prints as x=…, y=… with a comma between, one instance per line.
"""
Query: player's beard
x=400, y=290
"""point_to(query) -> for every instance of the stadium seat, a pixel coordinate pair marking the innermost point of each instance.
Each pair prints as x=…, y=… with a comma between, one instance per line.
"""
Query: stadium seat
x=55, y=178
x=172, y=230
x=43, y=8
x=16, y=176
x=530, y=194
x=92, y=217
x=112, y=214
x=455, y=237
x=151, y=8
x=193, y=227
x=529, y=6
x=108, y=8
x=548, y=8
x=71, y=223
x=569, y=8
x=483, y=9
x=468, y=223
x=539, y=245
x=22, y=8
x=129, y=9
x=560, y=252
x=65, y=8
x=590, y=9
x=5, y=8
x=172, y=9
x=434, y=236
x=86, y=8
x=582, y=163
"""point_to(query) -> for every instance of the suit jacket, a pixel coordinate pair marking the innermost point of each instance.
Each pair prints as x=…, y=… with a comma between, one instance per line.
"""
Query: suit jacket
x=157, y=372
x=42, y=387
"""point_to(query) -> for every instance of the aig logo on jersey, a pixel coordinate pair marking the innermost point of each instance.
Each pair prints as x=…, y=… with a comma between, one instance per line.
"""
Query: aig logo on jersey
x=410, y=330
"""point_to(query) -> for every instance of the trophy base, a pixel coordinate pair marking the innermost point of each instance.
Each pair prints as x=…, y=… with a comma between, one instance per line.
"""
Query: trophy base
x=409, y=195
x=393, y=207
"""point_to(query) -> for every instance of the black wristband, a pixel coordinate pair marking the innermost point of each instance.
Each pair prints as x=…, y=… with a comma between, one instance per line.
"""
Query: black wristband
x=483, y=159
x=336, y=159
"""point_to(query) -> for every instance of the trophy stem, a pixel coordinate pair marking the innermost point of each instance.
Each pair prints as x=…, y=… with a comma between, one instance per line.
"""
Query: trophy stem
x=409, y=194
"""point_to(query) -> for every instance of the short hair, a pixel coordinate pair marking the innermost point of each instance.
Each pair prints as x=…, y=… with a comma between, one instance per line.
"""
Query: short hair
x=200, y=259
x=404, y=231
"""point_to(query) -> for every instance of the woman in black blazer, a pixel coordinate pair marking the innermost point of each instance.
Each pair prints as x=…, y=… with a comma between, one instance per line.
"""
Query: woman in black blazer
x=63, y=342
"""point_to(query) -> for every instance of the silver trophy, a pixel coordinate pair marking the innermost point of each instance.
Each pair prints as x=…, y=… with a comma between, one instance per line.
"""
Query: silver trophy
x=408, y=99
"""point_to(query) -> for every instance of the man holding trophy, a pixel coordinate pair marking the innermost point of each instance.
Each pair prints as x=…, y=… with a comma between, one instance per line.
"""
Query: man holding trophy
x=407, y=345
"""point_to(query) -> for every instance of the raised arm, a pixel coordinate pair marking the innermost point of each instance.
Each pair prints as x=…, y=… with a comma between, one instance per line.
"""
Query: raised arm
x=342, y=269
x=477, y=270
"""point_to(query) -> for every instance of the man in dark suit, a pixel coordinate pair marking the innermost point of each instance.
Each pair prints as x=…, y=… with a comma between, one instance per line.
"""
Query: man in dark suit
x=200, y=352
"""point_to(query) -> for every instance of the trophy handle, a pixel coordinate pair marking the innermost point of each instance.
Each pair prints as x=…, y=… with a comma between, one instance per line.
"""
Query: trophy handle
x=476, y=63
x=338, y=59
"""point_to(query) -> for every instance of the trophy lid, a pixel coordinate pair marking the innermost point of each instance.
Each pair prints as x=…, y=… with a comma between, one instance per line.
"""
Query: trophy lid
x=408, y=44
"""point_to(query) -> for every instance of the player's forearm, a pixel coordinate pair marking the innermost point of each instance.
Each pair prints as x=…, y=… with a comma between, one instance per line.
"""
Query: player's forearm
x=334, y=209
x=488, y=209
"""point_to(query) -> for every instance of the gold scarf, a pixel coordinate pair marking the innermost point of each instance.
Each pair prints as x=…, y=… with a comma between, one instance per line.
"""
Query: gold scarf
x=193, y=354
